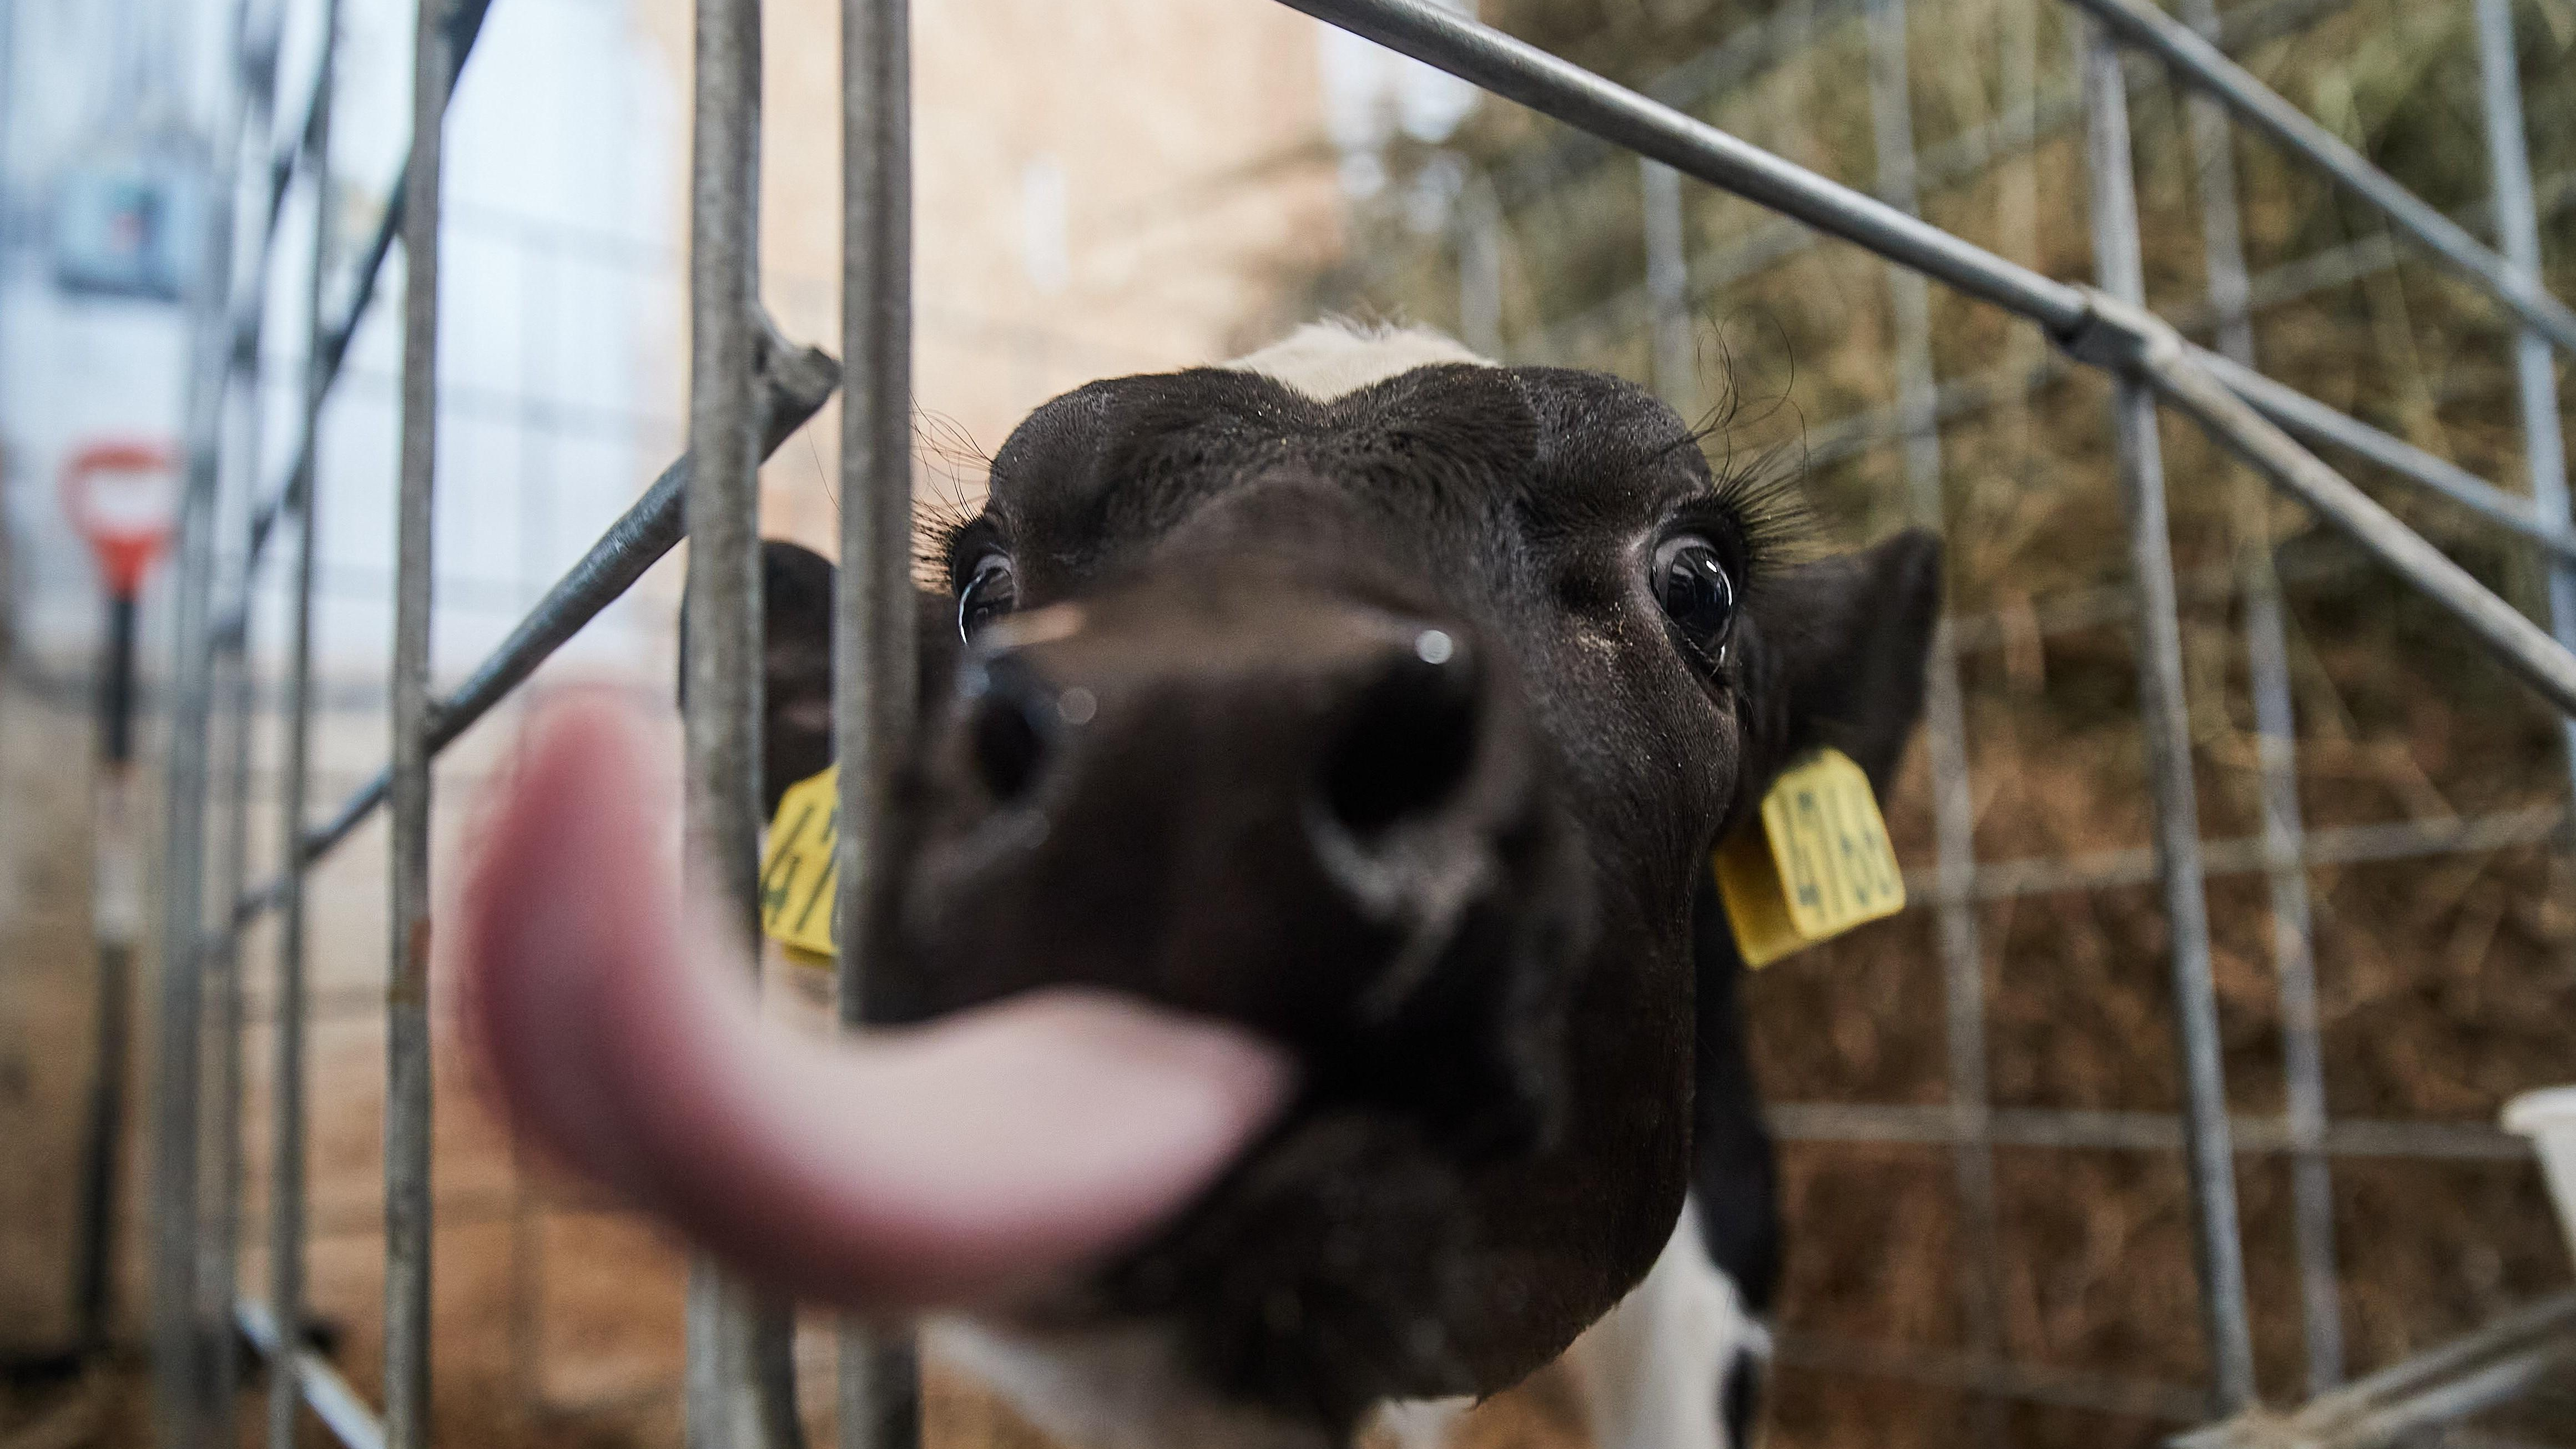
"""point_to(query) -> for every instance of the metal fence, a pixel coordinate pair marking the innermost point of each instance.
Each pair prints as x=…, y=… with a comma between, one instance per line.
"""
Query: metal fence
x=750, y=388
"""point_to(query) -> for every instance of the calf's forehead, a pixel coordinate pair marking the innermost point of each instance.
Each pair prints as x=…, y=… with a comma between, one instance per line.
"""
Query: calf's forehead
x=1561, y=450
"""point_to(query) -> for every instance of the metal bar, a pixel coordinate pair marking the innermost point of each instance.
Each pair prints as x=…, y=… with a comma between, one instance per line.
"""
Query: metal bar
x=231, y=665
x=2300, y=413
x=794, y=384
x=1945, y=732
x=2208, y=69
x=409, y=1229
x=1675, y=372
x=2470, y=1374
x=2535, y=372
x=2283, y=404
x=2275, y=729
x=1520, y=72
x=286, y=1198
x=1480, y=270
x=2164, y=721
x=721, y=640
x=875, y=657
x=2065, y=1130
x=334, y=1401
x=179, y=1328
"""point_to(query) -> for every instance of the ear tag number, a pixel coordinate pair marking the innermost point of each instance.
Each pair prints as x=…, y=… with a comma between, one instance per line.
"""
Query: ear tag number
x=1818, y=865
x=800, y=874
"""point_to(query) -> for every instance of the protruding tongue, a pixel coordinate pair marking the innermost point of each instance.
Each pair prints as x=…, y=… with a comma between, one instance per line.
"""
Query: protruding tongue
x=962, y=1162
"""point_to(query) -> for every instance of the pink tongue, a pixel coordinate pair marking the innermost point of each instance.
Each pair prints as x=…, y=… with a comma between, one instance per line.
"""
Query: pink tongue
x=944, y=1165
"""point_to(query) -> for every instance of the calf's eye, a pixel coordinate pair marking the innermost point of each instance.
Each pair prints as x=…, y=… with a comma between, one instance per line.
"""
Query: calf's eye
x=1697, y=592
x=991, y=591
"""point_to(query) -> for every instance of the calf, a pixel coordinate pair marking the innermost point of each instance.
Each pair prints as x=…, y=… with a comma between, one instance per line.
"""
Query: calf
x=1305, y=993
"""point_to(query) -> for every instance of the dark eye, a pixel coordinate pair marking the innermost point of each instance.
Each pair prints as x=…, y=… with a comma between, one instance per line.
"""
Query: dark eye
x=1697, y=592
x=991, y=591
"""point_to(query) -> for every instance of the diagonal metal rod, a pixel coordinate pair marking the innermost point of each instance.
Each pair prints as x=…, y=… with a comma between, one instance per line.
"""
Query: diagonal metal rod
x=2450, y=1383
x=2206, y=68
x=2091, y=327
x=794, y=383
x=181, y=1354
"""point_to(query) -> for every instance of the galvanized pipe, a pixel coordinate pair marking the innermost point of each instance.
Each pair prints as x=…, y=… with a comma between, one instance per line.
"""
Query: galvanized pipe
x=2267, y=657
x=409, y=1228
x=2205, y=68
x=721, y=679
x=231, y=673
x=180, y=1350
x=1480, y=270
x=2164, y=721
x=1945, y=733
x=875, y=657
x=2535, y=373
x=286, y=1196
x=1675, y=371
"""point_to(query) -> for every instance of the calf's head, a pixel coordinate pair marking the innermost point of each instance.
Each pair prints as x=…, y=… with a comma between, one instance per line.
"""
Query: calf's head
x=1384, y=706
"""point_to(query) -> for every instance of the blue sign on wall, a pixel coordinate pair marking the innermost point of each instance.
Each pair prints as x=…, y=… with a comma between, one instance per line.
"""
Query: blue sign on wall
x=129, y=230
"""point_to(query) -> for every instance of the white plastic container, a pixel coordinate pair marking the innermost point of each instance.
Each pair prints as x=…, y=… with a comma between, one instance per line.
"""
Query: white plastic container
x=2548, y=1118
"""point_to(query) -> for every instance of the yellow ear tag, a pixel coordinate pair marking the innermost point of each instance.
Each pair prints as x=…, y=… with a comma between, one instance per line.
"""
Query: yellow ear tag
x=800, y=874
x=1819, y=864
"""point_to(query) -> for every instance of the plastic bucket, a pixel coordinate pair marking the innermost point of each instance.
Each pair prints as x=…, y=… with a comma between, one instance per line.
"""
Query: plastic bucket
x=2548, y=1118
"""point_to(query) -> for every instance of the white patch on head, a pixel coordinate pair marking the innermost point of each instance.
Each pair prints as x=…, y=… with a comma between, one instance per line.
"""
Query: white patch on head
x=1326, y=360
x=1652, y=1370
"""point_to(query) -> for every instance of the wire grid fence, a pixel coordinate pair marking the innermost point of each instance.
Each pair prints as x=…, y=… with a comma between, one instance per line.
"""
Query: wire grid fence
x=750, y=388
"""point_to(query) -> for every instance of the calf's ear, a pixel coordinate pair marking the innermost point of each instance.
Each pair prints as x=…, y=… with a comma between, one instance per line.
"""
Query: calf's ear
x=796, y=663
x=1845, y=641
x=796, y=667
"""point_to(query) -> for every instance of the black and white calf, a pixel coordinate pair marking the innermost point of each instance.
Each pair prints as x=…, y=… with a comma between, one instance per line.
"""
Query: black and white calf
x=1307, y=997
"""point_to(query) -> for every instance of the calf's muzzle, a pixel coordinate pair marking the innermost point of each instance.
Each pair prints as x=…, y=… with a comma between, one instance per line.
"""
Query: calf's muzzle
x=1291, y=807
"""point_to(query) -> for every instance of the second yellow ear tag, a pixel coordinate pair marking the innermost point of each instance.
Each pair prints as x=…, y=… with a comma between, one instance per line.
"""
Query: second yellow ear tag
x=800, y=873
x=1816, y=864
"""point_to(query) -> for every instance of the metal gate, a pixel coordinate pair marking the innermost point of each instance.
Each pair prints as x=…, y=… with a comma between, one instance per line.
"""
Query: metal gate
x=750, y=388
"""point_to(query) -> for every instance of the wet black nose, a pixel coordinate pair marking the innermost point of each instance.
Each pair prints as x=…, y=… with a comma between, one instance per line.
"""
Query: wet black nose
x=1015, y=721
x=1403, y=748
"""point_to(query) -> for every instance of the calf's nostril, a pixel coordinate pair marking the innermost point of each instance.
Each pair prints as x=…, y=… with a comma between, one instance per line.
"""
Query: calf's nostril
x=1405, y=748
x=1013, y=731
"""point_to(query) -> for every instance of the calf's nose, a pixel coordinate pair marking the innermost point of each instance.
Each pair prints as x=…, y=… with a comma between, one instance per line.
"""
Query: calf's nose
x=1404, y=748
x=1316, y=817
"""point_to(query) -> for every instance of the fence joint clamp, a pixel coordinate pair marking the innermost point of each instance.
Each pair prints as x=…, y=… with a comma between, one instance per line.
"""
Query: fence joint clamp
x=2121, y=337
